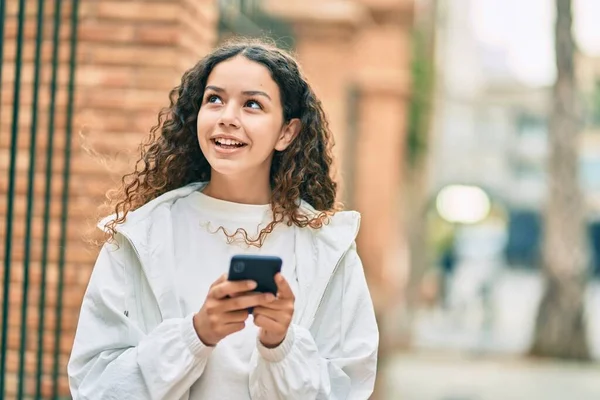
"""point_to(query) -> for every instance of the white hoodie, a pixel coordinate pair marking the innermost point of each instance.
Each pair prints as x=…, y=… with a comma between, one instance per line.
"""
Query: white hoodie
x=133, y=342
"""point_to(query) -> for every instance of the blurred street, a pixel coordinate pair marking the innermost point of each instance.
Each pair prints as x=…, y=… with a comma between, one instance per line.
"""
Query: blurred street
x=443, y=376
x=498, y=318
x=487, y=336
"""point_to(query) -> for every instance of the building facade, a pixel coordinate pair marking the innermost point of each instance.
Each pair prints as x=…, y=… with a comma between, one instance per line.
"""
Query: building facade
x=129, y=55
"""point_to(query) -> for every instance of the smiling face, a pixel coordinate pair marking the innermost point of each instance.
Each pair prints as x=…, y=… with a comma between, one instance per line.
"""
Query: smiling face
x=240, y=122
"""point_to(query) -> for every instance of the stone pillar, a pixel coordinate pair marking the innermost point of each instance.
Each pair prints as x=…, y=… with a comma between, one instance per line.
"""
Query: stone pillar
x=382, y=63
x=363, y=44
x=325, y=37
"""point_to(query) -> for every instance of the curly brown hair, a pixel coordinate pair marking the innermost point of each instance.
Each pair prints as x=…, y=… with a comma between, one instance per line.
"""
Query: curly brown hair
x=170, y=157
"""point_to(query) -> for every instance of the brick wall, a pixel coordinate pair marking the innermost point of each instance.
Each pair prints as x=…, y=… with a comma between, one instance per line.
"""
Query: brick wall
x=130, y=54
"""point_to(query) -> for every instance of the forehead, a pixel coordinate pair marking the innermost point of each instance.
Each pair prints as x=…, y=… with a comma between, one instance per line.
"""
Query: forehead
x=240, y=73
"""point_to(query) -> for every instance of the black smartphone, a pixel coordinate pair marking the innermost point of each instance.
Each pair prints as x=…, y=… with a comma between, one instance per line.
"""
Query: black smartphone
x=261, y=269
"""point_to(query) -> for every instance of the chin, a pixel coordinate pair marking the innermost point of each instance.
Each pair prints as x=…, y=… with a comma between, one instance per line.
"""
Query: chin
x=226, y=167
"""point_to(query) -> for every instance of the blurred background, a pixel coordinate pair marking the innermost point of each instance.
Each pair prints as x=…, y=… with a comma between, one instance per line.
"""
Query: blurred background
x=467, y=135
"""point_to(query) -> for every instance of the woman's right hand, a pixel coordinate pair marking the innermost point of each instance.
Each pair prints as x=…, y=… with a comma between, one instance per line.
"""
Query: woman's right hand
x=225, y=309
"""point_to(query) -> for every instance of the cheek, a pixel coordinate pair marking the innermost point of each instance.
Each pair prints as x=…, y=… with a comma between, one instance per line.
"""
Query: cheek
x=263, y=133
x=204, y=122
x=263, y=144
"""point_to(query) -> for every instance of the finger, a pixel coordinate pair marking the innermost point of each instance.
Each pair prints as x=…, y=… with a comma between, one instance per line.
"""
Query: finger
x=229, y=288
x=228, y=329
x=235, y=316
x=243, y=294
x=221, y=279
x=284, y=291
x=280, y=305
x=245, y=302
x=283, y=317
x=273, y=314
x=268, y=324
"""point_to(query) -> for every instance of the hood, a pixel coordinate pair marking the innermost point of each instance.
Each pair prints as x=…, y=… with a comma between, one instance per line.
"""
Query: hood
x=319, y=251
x=341, y=229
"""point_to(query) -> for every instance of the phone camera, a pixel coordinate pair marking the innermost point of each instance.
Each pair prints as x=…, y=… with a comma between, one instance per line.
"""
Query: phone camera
x=238, y=267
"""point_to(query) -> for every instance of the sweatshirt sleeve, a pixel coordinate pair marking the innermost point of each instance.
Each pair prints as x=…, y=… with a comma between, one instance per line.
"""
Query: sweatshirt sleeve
x=113, y=357
x=337, y=358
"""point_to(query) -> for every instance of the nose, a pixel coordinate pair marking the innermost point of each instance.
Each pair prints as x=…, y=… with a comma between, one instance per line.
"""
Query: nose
x=229, y=116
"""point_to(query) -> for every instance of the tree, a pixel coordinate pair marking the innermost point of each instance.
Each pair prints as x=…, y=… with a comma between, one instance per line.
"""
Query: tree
x=560, y=326
x=416, y=170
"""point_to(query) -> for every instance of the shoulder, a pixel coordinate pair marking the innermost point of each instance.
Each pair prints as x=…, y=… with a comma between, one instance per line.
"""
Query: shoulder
x=157, y=206
x=343, y=226
x=338, y=233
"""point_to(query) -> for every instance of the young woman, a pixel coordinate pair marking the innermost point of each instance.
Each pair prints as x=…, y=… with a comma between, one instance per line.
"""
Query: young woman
x=238, y=164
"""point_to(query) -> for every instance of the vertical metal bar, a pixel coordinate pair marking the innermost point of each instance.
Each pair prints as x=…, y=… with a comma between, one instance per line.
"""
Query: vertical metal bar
x=65, y=195
x=30, y=195
x=11, y=193
x=47, y=196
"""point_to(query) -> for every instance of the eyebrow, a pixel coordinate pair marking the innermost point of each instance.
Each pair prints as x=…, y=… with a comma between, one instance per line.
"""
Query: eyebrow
x=246, y=92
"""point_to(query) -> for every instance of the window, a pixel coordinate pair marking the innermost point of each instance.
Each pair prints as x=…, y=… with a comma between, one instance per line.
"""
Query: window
x=594, y=107
x=529, y=125
x=589, y=174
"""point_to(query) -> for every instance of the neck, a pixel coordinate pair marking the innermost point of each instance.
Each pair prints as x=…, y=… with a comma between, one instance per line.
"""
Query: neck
x=243, y=190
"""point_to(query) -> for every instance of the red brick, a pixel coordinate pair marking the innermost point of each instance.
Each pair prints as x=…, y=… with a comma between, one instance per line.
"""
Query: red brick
x=131, y=53
x=132, y=77
x=31, y=10
x=76, y=252
x=138, y=100
x=197, y=29
x=27, y=70
x=70, y=275
x=77, y=204
x=30, y=28
x=209, y=15
x=166, y=35
x=103, y=122
x=103, y=31
x=28, y=53
x=39, y=186
x=37, y=225
x=26, y=100
x=138, y=11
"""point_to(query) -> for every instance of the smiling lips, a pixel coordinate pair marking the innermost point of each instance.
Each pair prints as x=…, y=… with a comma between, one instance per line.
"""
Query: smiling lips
x=225, y=145
x=228, y=142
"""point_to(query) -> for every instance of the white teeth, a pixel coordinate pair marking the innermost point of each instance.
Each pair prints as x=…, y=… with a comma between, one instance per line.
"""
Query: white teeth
x=228, y=142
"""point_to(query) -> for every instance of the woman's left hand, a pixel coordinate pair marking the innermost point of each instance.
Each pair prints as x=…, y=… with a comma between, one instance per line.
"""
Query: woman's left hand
x=275, y=317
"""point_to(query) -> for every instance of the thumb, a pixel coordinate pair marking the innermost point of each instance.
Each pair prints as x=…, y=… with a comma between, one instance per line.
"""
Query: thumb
x=221, y=279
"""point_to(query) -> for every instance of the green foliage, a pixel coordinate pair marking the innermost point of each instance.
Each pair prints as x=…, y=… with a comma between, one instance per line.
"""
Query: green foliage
x=595, y=105
x=422, y=72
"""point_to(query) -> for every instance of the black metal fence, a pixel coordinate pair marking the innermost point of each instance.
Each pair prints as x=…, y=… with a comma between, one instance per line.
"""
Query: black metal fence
x=37, y=79
x=30, y=352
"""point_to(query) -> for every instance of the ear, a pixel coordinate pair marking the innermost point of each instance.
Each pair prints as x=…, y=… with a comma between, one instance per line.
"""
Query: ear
x=288, y=134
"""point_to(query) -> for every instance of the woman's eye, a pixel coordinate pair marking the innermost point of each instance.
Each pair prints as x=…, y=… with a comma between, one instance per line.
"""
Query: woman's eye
x=213, y=99
x=253, y=104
